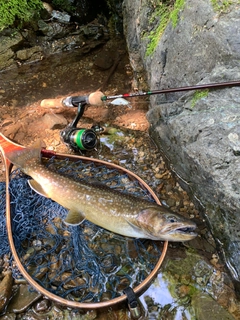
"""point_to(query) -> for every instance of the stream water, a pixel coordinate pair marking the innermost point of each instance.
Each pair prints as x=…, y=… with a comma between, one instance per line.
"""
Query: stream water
x=192, y=282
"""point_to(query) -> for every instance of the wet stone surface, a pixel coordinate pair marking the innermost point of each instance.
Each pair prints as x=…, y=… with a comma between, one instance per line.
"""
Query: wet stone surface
x=192, y=273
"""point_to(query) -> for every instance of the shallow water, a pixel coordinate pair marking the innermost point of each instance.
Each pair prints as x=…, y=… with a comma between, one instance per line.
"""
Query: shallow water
x=188, y=269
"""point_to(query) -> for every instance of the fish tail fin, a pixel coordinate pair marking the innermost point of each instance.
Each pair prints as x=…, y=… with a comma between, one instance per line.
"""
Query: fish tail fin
x=16, y=153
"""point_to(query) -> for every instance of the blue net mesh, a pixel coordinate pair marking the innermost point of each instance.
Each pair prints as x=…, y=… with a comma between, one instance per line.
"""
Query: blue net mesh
x=83, y=263
x=4, y=245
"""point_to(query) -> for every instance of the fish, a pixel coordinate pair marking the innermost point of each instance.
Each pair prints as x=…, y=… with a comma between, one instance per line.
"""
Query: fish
x=115, y=211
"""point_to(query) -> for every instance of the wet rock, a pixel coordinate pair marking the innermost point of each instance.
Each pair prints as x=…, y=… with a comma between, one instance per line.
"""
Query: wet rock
x=206, y=155
x=6, y=59
x=6, y=51
x=171, y=202
x=5, y=290
x=30, y=54
x=49, y=36
x=199, y=275
x=42, y=306
x=8, y=316
x=53, y=121
x=103, y=60
x=23, y=299
x=53, y=30
x=207, y=308
x=8, y=42
x=62, y=17
x=93, y=30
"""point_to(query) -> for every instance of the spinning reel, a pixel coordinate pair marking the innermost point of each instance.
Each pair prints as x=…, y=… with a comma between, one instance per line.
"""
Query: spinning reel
x=80, y=139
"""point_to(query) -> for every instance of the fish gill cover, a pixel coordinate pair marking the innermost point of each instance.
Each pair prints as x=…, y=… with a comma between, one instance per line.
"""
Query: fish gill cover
x=82, y=263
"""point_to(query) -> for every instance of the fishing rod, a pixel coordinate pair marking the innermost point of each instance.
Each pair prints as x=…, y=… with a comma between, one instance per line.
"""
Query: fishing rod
x=82, y=139
x=170, y=90
x=97, y=98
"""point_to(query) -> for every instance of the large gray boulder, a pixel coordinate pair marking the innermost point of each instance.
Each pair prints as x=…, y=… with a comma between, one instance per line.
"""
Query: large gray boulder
x=199, y=134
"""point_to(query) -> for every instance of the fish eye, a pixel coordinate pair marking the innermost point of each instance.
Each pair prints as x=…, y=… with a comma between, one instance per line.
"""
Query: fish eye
x=172, y=219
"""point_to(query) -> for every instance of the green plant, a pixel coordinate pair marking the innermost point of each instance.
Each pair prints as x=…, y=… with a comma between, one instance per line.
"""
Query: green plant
x=179, y=4
x=155, y=35
x=221, y=5
x=19, y=11
x=199, y=95
x=166, y=12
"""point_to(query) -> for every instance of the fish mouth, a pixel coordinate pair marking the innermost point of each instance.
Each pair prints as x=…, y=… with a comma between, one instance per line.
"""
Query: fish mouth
x=186, y=230
x=180, y=232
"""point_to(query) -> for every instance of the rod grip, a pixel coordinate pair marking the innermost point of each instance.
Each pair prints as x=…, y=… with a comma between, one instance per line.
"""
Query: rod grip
x=52, y=103
x=95, y=98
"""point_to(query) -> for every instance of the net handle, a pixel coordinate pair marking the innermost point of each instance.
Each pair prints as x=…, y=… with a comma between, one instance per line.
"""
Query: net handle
x=138, y=290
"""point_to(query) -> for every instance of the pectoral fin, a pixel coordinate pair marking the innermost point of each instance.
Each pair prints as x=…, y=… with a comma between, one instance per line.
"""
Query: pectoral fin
x=37, y=188
x=74, y=218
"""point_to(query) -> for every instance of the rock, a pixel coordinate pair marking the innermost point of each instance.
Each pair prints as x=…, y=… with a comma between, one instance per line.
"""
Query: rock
x=47, y=7
x=52, y=30
x=62, y=17
x=6, y=52
x=30, y=54
x=23, y=299
x=6, y=122
x=134, y=119
x=93, y=30
x=11, y=130
x=53, y=121
x=9, y=42
x=42, y=306
x=8, y=316
x=206, y=307
x=103, y=60
x=6, y=59
x=198, y=135
x=49, y=36
x=5, y=290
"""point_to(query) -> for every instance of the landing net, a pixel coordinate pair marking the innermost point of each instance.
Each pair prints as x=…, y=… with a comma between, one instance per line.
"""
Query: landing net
x=82, y=263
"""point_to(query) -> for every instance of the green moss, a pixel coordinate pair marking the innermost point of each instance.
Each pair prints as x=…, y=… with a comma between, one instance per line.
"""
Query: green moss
x=15, y=11
x=198, y=95
x=166, y=12
x=179, y=4
x=155, y=35
x=221, y=5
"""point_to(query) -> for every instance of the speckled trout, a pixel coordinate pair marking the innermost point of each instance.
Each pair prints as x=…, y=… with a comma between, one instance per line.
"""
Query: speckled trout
x=120, y=213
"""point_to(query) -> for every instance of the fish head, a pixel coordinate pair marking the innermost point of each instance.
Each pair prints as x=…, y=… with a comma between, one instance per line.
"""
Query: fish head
x=159, y=223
